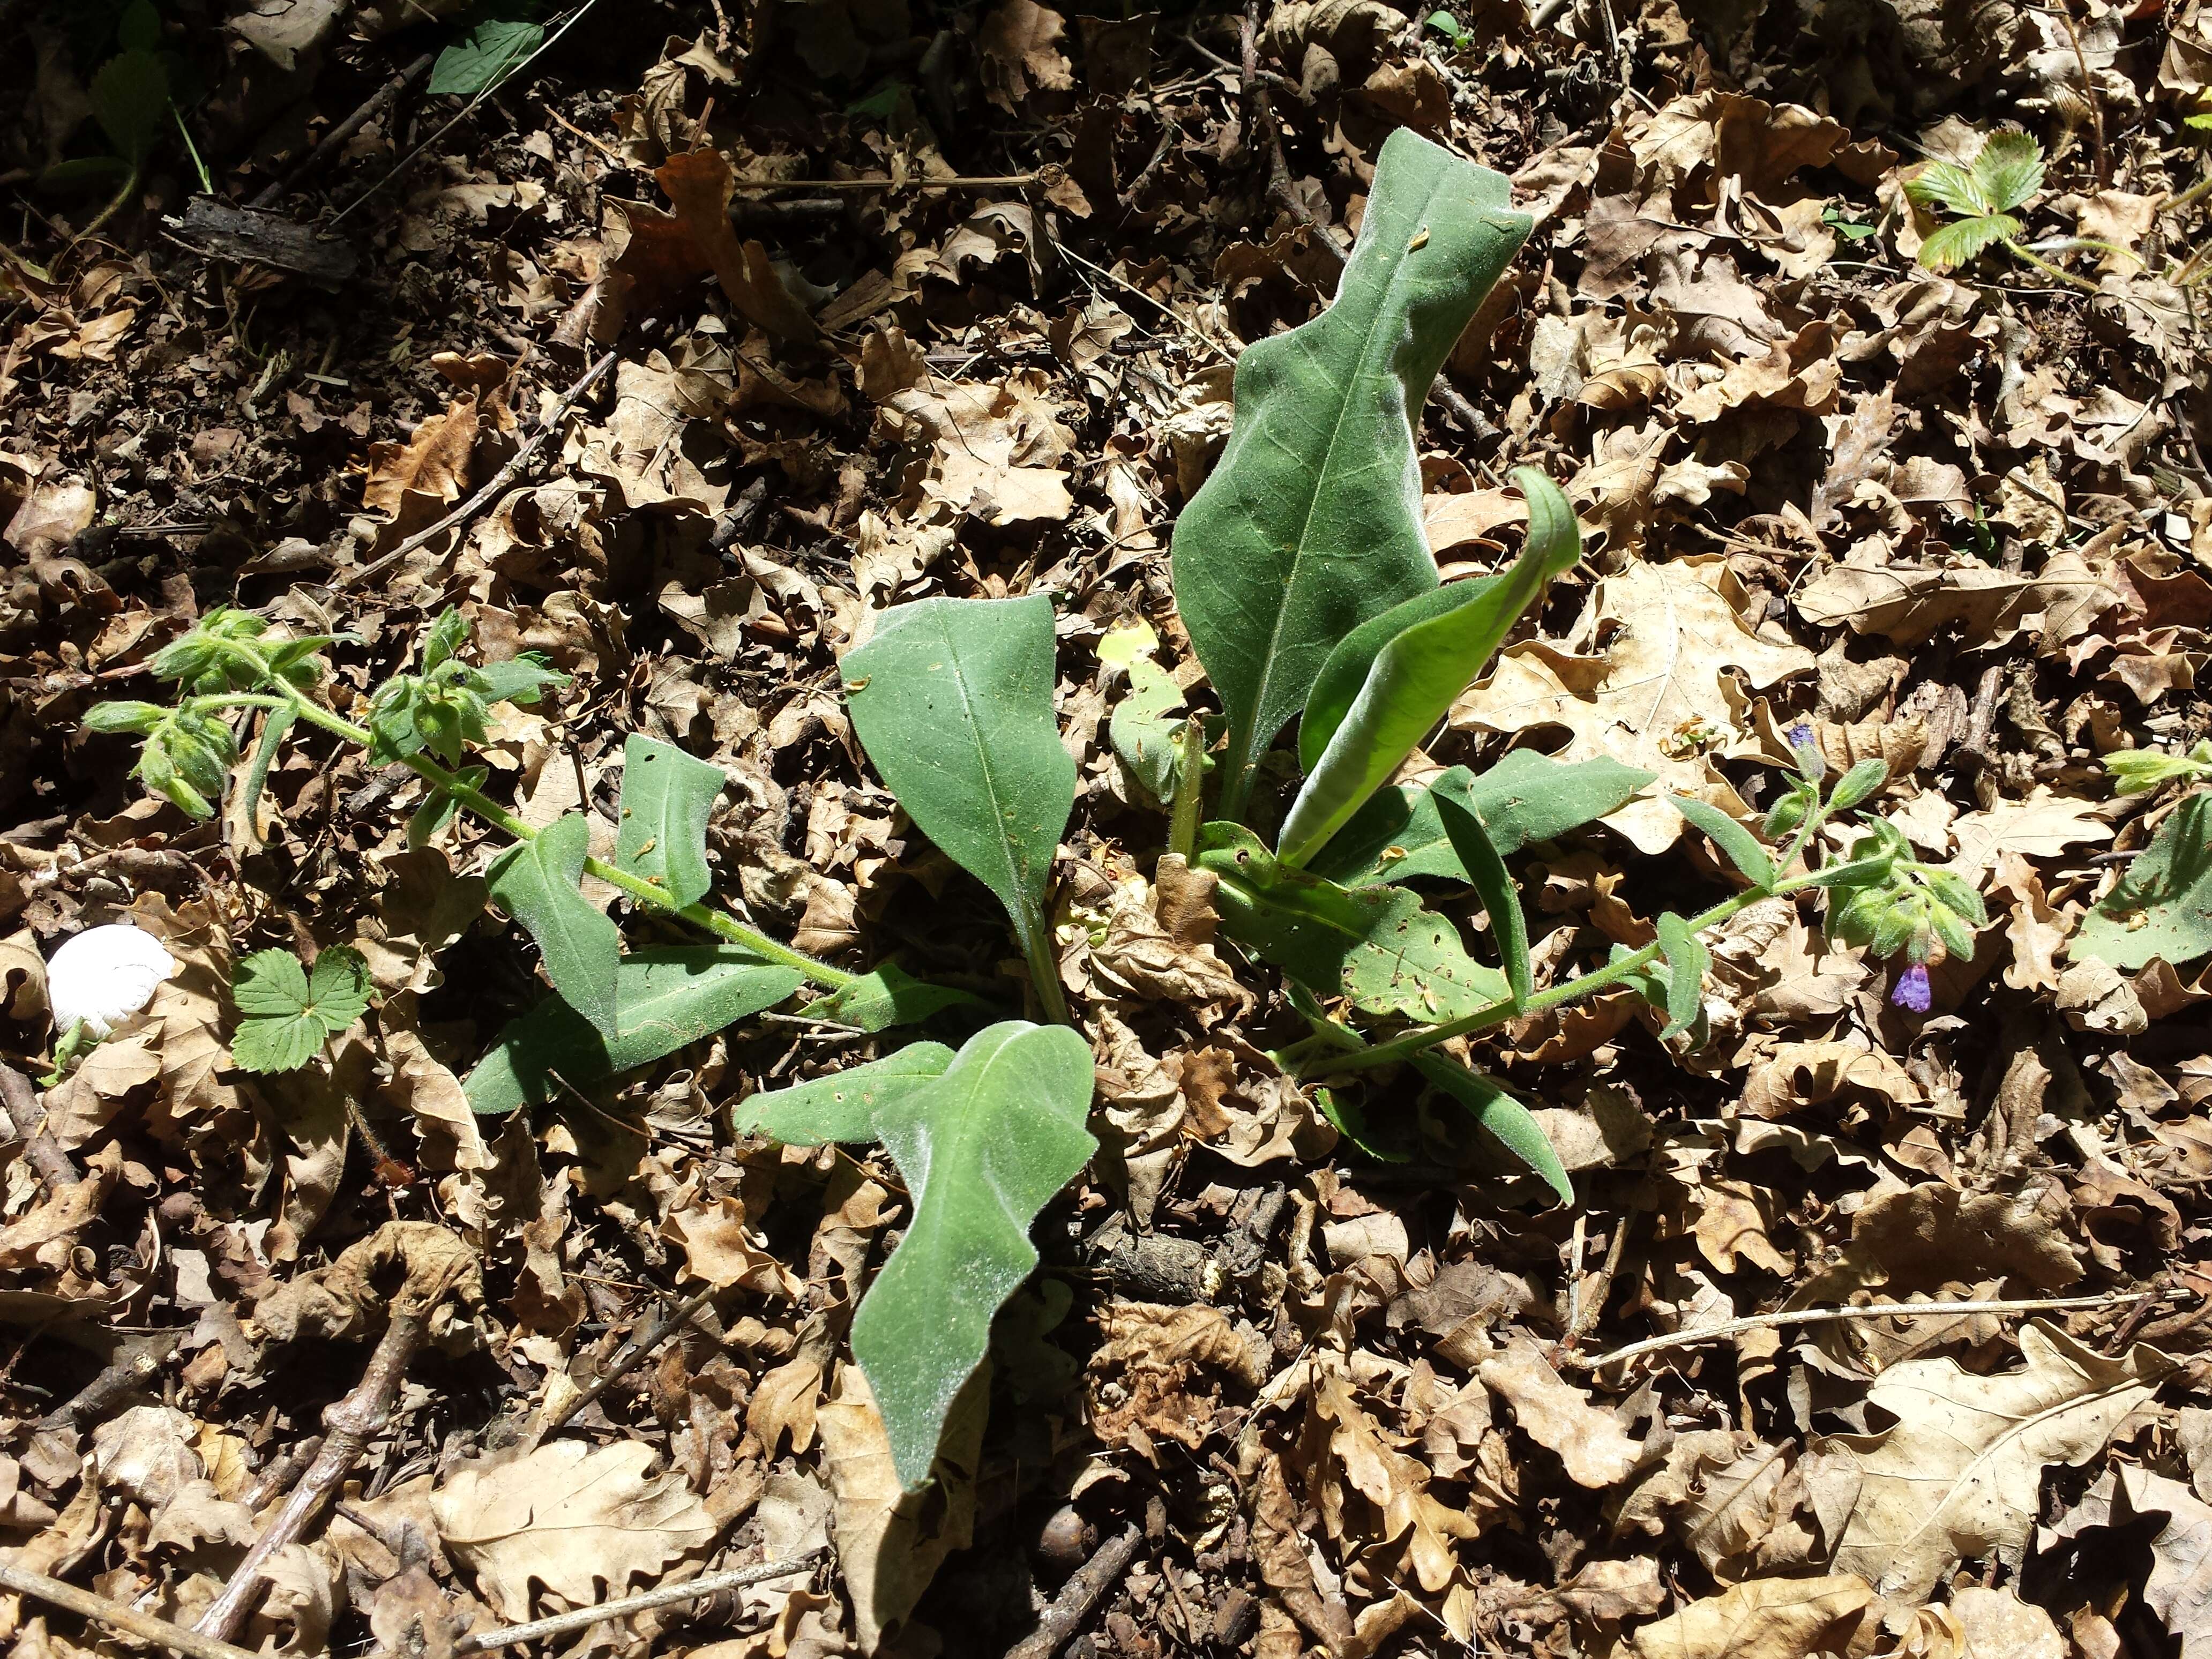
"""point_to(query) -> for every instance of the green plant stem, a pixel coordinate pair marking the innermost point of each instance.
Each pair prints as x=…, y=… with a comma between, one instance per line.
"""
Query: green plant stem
x=1190, y=787
x=1497, y=1013
x=136, y=178
x=1045, y=972
x=2051, y=271
x=717, y=922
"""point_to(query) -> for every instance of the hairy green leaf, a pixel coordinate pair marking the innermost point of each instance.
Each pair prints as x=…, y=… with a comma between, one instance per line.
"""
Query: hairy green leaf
x=1410, y=681
x=1501, y=1114
x=842, y=1106
x=286, y=1013
x=2162, y=907
x=669, y=998
x=1688, y=964
x=1501, y=900
x=667, y=797
x=1964, y=239
x=952, y=700
x=1742, y=847
x=1142, y=731
x=2008, y=169
x=1311, y=522
x=888, y=997
x=1374, y=944
x=1525, y=797
x=982, y=1149
x=536, y=882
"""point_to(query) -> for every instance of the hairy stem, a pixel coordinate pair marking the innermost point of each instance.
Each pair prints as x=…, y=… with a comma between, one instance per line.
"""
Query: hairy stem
x=2051, y=271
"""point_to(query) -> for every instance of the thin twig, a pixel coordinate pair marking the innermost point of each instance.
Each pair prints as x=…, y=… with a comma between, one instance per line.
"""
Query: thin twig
x=113, y=1614
x=491, y=492
x=627, y=1358
x=89, y=1403
x=692, y=1589
x=1004, y=181
x=1079, y=1596
x=388, y=92
x=350, y=1425
x=1734, y=1328
x=20, y=1102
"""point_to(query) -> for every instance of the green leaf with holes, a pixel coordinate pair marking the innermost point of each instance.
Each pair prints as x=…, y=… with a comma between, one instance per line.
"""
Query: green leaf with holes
x=842, y=1106
x=2162, y=907
x=1376, y=946
x=667, y=797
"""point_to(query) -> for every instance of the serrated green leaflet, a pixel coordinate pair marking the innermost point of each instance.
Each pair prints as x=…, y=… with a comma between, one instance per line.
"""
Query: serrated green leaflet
x=890, y=996
x=667, y=797
x=1408, y=679
x=982, y=1149
x=669, y=998
x=1501, y=900
x=535, y=882
x=1525, y=797
x=286, y=1013
x=1752, y=860
x=842, y=1106
x=2162, y=907
x=952, y=700
x=480, y=59
x=1501, y=1114
x=1374, y=944
x=130, y=100
x=1311, y=522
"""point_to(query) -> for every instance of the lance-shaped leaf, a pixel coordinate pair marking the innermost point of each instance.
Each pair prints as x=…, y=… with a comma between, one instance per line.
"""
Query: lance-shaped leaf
x=982, y=1149
x=1374, y=944
x=1409, y=666
x=1688, y=964
x=1501, y=1114
x=669, y=998
x=1311, y=522
x=666, y=799
x=842, y=1106
x=890, y=996
x=952, y=699
x=1525, y=797
x=1755, y=864
x=1501, y=900
x=535, y=882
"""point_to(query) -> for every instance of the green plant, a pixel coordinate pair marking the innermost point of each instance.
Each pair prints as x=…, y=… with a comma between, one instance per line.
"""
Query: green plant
x=2161, y=907
x=134, y=97
x=493, y=41
x=1984, y=197
x=286, y=1012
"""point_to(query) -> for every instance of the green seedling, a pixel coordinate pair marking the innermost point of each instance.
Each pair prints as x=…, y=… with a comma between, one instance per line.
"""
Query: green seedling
x=1984, y=199
x=286, y=1012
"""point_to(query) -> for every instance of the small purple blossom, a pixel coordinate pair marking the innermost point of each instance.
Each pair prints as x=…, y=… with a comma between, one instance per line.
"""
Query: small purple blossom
x=1911, y=990
x=1801, y=735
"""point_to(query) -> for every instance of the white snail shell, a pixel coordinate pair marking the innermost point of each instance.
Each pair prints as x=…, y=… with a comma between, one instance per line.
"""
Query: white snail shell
x=104, y=976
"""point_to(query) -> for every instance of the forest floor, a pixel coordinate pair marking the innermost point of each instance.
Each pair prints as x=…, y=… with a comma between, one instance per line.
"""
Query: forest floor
x=1276, y=1392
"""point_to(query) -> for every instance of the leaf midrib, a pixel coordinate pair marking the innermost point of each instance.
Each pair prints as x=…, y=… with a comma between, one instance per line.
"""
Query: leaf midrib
x=1001, y=841
x=1313, y=497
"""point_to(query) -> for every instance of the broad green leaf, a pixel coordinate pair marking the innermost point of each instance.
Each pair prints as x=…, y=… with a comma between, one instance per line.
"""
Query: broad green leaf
x=130, y=99
x=1143, y=733
x=1500, y=1112
x=667, y=797
x=1963, y=239
x=842, y=1106
x=1374, y=944
x=286, y=1013
x=1525, y=797
x=982, y=1149
x=1688, y=963
x=1501, y=900
x=1948, y=185
x=1411, y=682
x=1742, y=847
x=669, y=998
x=480, y=59
x=1311, y=522
x=536, y=882
x=952, y=700
x=888, y=997
x=2162, y=907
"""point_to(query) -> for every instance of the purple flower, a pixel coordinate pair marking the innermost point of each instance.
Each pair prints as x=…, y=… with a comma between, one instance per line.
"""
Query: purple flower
x=1801, y=735
x=1911, y=990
